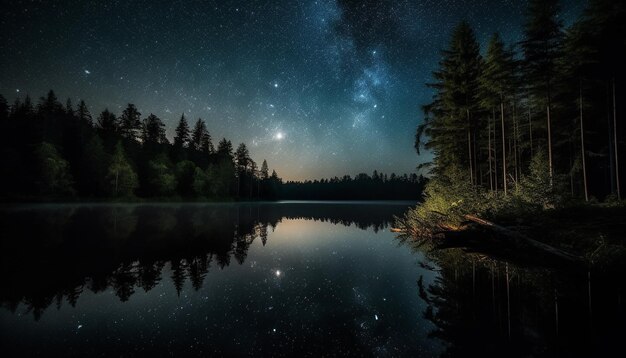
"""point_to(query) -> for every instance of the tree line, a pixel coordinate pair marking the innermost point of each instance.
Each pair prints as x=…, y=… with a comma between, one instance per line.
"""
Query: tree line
x=54, y=151
x=550, y=106
x=378, y=186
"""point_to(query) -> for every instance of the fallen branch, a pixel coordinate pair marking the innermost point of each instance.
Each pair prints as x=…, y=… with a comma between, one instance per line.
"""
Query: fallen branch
x=518, y=239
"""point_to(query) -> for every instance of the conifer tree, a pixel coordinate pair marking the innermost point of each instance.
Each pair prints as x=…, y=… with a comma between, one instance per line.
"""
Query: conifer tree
x=130, y=123
x=107, y=122
x=83, y=113
x=496, y=85
x=541, y=46
x=198, y=134
x=181, y=139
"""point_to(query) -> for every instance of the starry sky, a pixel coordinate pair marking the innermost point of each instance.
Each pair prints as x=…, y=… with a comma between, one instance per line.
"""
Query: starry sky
x=317, y=87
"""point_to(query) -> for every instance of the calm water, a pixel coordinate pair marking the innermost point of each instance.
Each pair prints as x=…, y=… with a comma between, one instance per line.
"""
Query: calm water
x=296, y=278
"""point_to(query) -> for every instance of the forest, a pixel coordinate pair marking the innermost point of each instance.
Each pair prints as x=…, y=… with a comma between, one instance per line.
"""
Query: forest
x=55, y=152
x=524, y=128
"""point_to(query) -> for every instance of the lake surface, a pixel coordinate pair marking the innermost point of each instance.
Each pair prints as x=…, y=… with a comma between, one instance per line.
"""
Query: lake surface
x=280, y=279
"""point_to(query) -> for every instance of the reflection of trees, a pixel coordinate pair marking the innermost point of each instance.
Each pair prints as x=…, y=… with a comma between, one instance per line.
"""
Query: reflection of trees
x=54, y=254
x=481, y=306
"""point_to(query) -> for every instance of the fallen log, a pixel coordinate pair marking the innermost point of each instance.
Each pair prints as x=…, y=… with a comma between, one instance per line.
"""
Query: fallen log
x=518, y=239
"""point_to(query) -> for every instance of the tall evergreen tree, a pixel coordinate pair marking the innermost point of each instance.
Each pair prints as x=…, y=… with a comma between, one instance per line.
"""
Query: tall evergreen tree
x=198, y=134
x=449, y=119
x=69, y=108
x=181, y=139
x=496, y=84
x=130, y=122
x=50, y=105
x=153, y=130
x=542, y=46
x=264, y=170
x=206, y=145
x=107, y=122
x=83, y=113
x=225, y=149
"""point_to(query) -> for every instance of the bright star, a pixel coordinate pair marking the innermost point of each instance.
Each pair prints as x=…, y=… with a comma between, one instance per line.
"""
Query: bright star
x=278, y=273
x=87, y=72
x=275, y=85
x=279, y=136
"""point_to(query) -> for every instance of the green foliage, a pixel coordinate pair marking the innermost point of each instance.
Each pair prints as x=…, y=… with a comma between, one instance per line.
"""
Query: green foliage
x=163, y=181
x=537, y=189
x=54, y=174
x=449, y=117
x=121, y=178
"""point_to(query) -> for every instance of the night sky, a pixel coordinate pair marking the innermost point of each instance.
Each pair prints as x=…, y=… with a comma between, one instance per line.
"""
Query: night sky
x=318, y=88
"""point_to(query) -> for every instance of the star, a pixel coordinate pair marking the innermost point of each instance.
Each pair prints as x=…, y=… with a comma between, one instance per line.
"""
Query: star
x=87, y=72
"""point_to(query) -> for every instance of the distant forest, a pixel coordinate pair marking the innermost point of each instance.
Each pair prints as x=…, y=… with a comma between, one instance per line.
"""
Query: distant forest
x=53, y=151
x=547, y=110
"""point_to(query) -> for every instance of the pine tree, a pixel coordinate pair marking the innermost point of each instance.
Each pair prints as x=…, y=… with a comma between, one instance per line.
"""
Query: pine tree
x=225, y=149
x=198, y=134
x=496, y=84
x=449, y=121
x=153, y=130
x=541, y=46
x=130, y=123
x=69, y=108
x=107, y=122
x=264, y=170
x=83, y=113
x=206, y=146
x=182, y=133
x=50, y=105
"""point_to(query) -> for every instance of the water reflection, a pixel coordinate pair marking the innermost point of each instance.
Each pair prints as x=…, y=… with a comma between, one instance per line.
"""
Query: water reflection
x=53, y=253
x=482, y=306
x=282, y=279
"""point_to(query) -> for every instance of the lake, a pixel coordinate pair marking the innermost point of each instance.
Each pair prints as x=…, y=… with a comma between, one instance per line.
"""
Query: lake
x=280, y=279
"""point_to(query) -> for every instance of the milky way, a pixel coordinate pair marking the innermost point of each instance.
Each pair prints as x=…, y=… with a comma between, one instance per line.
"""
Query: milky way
x=318, y=88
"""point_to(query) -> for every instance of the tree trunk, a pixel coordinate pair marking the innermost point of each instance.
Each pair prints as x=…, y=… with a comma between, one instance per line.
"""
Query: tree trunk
x=582, y=144
x=503, y=148
x=515, y=159
x=530, y=131
x=619, y=196
x=489, y=156
x=549, y=142
x=469, y=147
x=495, y=151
